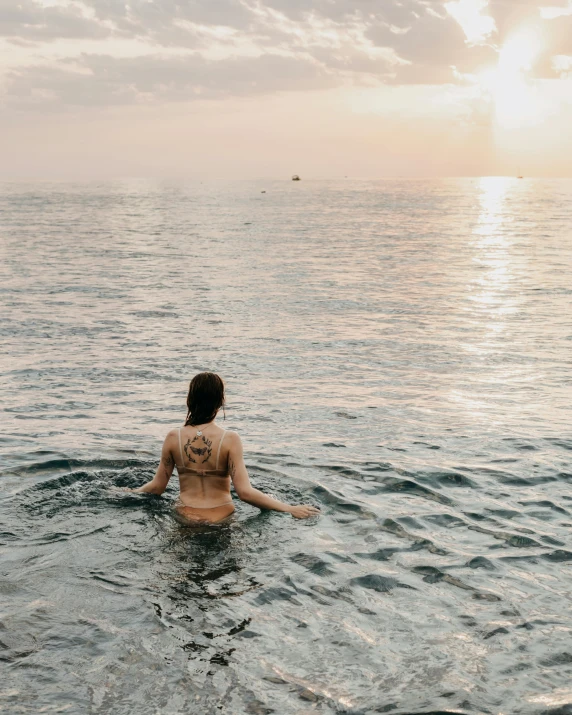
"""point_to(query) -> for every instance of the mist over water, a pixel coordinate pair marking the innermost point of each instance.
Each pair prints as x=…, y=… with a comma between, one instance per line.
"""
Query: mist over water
x=396, y=352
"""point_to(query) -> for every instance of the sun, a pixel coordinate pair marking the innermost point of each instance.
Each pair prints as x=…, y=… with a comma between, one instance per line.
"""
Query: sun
x=514, y=96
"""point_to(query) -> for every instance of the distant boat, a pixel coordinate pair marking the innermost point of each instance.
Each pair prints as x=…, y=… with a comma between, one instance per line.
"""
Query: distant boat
x=296, y=178
x=520, y=176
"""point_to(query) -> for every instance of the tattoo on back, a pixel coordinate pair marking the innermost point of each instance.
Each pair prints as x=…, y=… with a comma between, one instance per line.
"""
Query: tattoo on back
x=231, y=468
x=200, y=453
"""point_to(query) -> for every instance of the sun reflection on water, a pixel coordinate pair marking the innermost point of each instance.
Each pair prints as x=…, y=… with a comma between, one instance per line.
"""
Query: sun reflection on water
x=491, y=299
x=492, y=242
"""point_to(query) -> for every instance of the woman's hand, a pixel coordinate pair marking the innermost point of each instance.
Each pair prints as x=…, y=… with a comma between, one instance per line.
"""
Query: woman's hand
x=303, y=511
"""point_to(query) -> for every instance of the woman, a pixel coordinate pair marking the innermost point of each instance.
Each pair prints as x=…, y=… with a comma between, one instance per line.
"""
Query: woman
x=207, y=459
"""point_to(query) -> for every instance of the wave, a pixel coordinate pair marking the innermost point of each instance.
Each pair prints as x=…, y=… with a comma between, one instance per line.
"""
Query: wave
x=393, y=550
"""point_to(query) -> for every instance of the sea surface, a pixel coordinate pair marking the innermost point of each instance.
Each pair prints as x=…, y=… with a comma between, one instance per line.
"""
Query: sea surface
x=397, y=352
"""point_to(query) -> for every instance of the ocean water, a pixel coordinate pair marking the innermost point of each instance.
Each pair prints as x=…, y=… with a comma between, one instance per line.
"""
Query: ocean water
x=397, y=352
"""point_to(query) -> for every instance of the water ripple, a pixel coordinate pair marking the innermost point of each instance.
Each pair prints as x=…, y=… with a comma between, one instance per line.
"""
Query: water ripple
x=396, y=352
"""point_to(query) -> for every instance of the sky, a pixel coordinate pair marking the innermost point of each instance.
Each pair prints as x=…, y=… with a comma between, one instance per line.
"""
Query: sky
x=268, y=88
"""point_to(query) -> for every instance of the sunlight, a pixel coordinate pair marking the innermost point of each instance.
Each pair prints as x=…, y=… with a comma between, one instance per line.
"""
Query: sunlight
x=468, y=13
x=515, y=98
x=492, y=256
x=520, y=51
x=489, y=293
x=491, y=215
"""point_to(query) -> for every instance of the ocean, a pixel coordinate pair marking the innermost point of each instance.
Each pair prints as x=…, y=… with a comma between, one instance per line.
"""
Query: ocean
x=397, y=352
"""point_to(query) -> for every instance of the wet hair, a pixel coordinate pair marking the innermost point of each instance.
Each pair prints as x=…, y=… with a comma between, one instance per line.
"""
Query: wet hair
x=205, y=398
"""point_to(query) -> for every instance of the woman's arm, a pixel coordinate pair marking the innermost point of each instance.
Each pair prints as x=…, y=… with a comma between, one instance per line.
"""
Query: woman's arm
x=247, y=493
x=159, y=482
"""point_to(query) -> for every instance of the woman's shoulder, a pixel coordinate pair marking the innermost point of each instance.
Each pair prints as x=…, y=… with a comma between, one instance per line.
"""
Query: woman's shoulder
x=232, y=437
x=229, y=435
x=172, y=434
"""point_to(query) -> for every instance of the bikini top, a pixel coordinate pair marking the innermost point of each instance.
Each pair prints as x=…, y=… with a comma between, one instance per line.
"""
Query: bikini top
x=199, y=451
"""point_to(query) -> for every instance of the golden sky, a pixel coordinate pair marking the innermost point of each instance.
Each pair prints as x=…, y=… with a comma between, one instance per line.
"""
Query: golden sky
x=265, y=88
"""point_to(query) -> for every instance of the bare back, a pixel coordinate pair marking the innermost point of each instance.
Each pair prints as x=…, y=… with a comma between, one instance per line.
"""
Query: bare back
x=201, y=458
x=206, y=463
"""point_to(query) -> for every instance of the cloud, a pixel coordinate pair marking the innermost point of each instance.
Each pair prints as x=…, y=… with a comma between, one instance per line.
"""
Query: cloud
x=558, y=35
x=102, y=80
x=432, y=46
x=471, y=16
x=215, y=48
x=551, y=12
x=33, y=22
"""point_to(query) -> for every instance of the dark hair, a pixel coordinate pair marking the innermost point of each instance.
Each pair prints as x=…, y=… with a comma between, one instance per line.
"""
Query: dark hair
x=205, y=398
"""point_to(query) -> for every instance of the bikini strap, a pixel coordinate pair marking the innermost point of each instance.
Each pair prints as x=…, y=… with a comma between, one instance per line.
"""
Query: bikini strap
x=181, y=449
x=219, y=446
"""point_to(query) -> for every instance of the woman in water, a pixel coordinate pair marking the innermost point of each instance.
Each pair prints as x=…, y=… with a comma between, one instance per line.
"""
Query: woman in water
x=207, y=459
